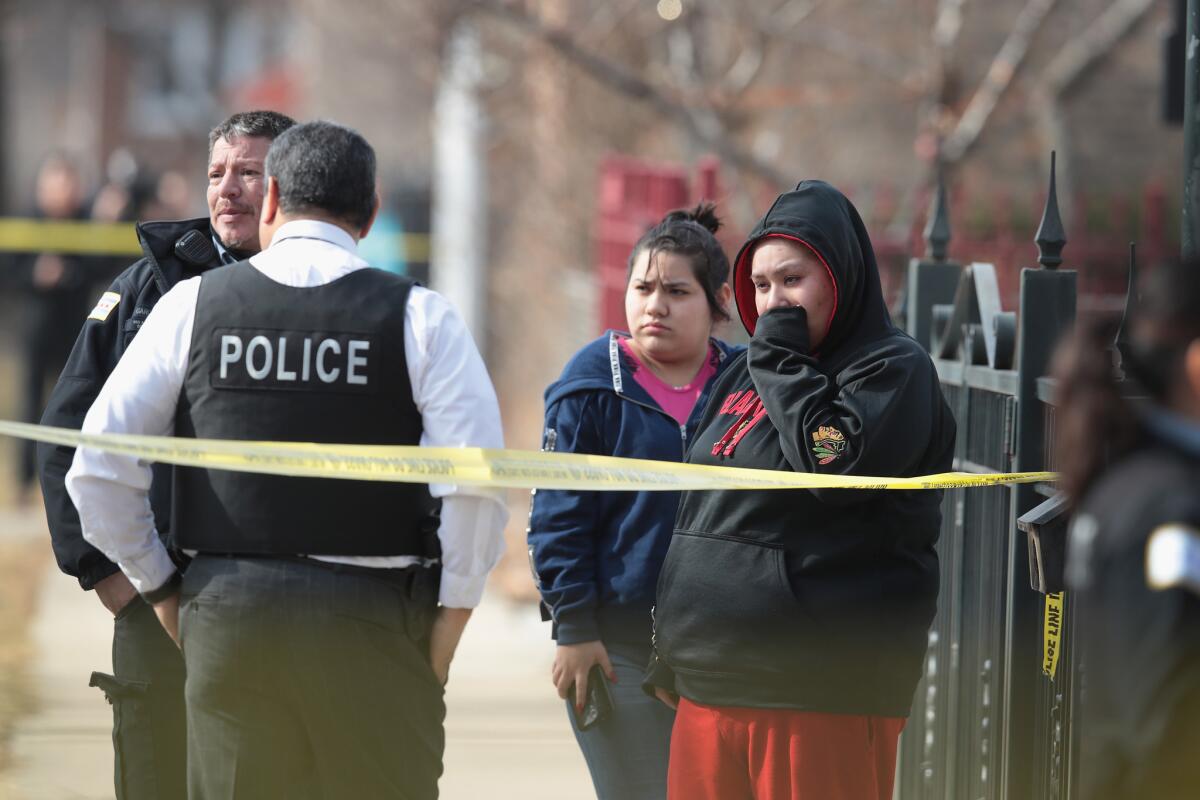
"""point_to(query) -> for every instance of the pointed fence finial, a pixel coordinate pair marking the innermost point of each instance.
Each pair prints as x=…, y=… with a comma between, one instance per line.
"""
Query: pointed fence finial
x=937, y=229
x=1050, y=237
x=1121, y=342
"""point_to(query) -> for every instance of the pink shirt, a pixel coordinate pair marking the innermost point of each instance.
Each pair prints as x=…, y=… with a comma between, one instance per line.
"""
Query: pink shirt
x=678, y=401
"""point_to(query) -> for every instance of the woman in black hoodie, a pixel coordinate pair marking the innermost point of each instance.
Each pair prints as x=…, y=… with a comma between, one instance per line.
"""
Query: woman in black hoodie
x=790, y=625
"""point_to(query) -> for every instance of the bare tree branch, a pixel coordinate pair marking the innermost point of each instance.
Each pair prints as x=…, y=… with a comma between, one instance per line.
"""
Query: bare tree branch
x=607, y=18
x=624, y=81
x=746, y=68
x=948, y=23
x=1077, y=56
x=997, y=80
x=791, y=13
x=748, y=46
x=785, y=25
x=682, y=47
x=1097, y=41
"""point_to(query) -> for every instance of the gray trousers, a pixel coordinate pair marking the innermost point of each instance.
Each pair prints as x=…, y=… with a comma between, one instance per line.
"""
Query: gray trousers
x=310, y=681
x=146, y=693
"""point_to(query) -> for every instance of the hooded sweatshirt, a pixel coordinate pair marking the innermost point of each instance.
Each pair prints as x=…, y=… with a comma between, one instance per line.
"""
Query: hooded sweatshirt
x=817, y=600
x=596, y=555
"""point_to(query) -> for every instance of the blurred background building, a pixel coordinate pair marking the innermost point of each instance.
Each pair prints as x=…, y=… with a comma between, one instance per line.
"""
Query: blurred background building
x=523, y=145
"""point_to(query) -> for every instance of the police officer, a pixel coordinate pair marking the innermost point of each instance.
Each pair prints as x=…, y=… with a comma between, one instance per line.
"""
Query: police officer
x=1131, y=471
x=146, y=688
x=316, y=649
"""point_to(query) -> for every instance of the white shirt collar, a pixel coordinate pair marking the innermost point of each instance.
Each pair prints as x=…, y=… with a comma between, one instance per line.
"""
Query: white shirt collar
x=314, y=229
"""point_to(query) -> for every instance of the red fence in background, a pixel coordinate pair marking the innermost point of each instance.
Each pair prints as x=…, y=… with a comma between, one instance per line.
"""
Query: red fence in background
x=634, y=195
x=986, y=226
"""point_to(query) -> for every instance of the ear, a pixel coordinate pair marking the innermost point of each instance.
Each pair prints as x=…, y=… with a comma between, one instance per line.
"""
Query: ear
x=374, y=214
x=270, y=206
x=1191, y=372
x=724, y=295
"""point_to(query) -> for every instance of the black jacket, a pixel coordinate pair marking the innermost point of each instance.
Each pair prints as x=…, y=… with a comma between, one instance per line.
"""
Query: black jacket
x=96, y=352
x=1140, y=716
x=817, y=600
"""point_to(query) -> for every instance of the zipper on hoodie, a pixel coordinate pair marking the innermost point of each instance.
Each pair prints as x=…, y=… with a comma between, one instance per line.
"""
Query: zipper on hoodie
x=550, y=444
x=682, y=428
x=654, y=632
x=619, y=389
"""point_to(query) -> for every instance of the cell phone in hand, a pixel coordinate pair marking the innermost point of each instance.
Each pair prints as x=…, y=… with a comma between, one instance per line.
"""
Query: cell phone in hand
x=597, y=703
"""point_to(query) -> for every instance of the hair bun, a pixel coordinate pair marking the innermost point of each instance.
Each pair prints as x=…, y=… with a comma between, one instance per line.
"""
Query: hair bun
x=704, y=215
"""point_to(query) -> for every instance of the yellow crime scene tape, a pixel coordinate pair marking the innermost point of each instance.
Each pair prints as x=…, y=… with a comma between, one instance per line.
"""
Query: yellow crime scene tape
x=78, y=237
x=473, y=466
x=68, y=236
x=1052, y=634
x=507, y=469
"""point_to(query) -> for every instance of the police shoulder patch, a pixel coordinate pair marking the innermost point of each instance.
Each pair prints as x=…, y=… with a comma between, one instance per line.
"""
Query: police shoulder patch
x=1173, y=558
x=108, y=301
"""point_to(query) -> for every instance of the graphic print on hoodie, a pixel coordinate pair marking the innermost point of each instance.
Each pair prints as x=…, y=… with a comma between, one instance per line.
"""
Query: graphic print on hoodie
x=810, y=599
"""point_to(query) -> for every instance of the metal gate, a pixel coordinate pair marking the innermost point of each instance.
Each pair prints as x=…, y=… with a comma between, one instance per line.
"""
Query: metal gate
x=986, y=722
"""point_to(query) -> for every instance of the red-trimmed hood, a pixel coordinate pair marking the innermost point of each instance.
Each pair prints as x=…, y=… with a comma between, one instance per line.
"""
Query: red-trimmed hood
x=822, y=219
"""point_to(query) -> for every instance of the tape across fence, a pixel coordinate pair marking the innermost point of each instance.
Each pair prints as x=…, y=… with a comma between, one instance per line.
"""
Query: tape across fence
x=472, y=466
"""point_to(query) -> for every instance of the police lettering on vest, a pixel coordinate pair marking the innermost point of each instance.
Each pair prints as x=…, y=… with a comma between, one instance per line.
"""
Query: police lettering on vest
x=324, y=363
x=296, y=360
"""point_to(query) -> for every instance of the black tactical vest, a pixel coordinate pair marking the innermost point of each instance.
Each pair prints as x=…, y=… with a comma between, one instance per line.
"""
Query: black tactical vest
x=326, y=363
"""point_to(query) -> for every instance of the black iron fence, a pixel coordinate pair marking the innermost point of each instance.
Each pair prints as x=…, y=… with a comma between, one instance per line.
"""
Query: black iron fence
x=988, y=722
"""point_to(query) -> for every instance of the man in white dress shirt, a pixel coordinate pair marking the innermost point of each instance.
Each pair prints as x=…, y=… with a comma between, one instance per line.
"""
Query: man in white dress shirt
x=319, y=617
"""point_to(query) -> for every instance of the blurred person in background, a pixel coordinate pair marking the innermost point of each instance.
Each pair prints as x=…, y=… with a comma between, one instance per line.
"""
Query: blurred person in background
x=1132, y=472
x=121, y=198
x=146, y=687
x=596, y=555
x=56, y=295
x=790, y=626
x=172, y=196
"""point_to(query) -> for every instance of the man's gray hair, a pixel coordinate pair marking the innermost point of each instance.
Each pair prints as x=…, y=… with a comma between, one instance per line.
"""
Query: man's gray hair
x=325, y=168
x=267, y=124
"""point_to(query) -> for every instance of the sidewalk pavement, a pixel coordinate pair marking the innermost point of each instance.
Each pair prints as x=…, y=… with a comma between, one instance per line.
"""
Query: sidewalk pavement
x=507, y=735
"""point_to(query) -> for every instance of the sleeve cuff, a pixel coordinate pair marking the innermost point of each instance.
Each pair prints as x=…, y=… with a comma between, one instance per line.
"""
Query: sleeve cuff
x=461, y=591
x=166, y=590
x=577, y=627
x=788, y=325
x=658, y=675
x=151, y=570
x=96, y=572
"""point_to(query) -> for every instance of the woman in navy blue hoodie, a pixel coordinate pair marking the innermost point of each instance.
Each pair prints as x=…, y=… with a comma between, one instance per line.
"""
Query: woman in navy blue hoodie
x=596, y=555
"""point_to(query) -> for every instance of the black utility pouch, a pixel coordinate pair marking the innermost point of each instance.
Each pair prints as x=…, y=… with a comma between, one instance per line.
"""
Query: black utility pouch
x=115, y=688
x=134, y=773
